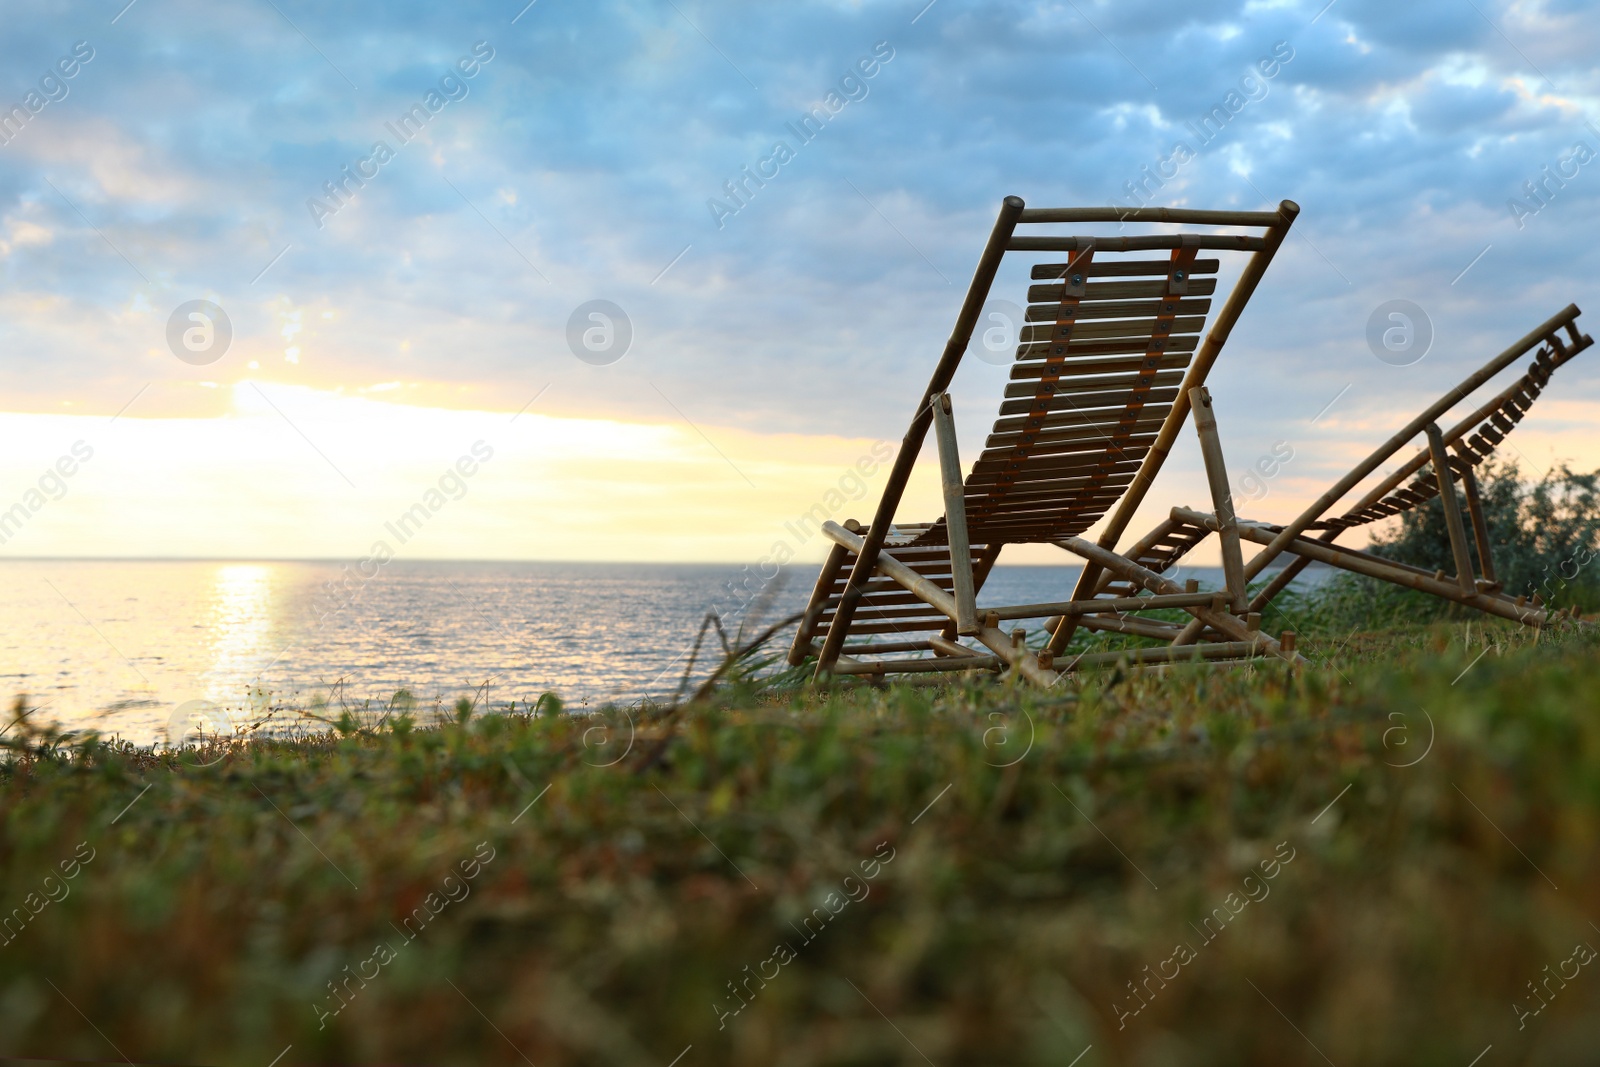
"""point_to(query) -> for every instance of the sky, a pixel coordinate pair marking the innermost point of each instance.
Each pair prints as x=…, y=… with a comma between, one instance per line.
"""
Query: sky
x=406, y=213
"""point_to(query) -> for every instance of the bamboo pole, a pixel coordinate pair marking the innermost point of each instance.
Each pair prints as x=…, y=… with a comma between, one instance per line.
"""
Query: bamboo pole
x=925, y=589
x=1020, y=659
x=970, y=662
x=1104, y=605
x=953, y=649
x=1287, y=574
x=911, y=445
x=986, y=561
x=1221, y=621
x=1386, y=570
x=1480, y=525
x=1295, y=528
x=885, y=647
x=946, y=647
x=1164, y=529
x=1578, y=343
x=980, y=574
x=1216, y=650
x=955, y=514
x=1148, y=243
x=1249, y=279
x=1128, y=624
x=1205, y=422
x=817, y=605
x=1452, y=511
x=1461, y=429
x=1193, y=216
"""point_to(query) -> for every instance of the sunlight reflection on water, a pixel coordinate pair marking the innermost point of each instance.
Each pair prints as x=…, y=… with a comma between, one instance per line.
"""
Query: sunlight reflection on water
x=116, y=646
x=240, y=628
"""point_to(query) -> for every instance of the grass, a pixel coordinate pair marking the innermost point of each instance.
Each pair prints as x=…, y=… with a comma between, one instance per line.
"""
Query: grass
x=1002, y=864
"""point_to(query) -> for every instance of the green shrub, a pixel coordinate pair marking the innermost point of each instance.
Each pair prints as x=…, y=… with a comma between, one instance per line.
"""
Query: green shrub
x=1543, y=536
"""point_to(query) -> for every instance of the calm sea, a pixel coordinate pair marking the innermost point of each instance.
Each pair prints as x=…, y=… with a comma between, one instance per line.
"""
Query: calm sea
x=117, y=646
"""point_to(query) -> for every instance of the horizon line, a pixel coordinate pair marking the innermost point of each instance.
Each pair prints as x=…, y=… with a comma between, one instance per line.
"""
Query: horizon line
x=423, y=559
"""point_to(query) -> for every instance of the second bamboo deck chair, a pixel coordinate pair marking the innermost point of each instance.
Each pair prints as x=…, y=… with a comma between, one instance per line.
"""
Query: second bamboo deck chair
x=1444, y=458
x=1109, y=369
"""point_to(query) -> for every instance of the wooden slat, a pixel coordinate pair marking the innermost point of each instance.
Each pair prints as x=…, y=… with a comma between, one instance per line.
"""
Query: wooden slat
x=1044, y=466
x=1089, y=401
x=1113, y=328
x=1105, y=420
x=1064, y=438
x=1038, y=525
x=1030, y=500
x=1130, y=447
x=1115, y=347
x=1054, y=291
x=1033, y=516
x=1049, y=485
x=1082, y=500
x=1118, y=309
x=1074, y=368
x=1084, y=443
x=1123, y=268
x=1030, y=496
x=1038, y=473
x=1080, y=385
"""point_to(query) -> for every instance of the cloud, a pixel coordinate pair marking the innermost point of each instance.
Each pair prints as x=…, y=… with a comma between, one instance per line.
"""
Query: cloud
x=580, y=162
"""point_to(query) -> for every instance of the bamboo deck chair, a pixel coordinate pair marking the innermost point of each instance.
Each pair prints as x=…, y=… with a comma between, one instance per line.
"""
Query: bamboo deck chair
x=1444, y=458
x=1106, y=374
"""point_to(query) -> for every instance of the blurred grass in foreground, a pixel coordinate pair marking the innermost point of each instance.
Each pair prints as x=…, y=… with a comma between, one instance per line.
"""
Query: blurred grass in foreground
x=608, y=889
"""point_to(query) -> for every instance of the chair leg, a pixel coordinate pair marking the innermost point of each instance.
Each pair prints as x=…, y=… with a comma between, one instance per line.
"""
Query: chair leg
x=955, y=516
x=1280, y=582
x=1069, y=623
x=1010, y=650
x=900, y=473
x=1224, y=623
x=1205, y=421
x=1480, y=525
x=819, y=602
x=1452, y=510
x=1401, y=574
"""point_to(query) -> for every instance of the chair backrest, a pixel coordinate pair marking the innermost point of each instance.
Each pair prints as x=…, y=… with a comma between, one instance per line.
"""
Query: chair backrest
x=1111, y=346
x=1472, y=440
x=1105, y=353
x=1107, y=343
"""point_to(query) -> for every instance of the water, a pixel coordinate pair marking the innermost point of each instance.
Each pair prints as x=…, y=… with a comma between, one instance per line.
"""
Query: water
x=117, y=646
